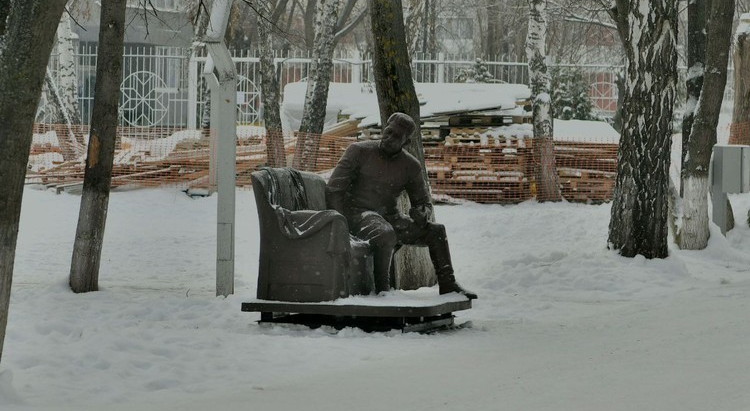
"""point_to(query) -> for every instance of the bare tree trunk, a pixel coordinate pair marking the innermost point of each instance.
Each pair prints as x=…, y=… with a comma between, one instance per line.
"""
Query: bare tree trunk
x=696, y=60
x=494, y=31
x=639, y=219
x=200, y=24
x=318, y=81
x=548, y=182
x=694, y=234
x=87, y=249
x=414, y=25
x=71, y=149
x=270, y=94
x=27, y=33
x=740, y=129
x=68, y=77
x=395, y=89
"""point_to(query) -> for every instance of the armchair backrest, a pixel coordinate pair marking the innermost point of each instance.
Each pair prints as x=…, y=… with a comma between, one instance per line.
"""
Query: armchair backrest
x=289, y=188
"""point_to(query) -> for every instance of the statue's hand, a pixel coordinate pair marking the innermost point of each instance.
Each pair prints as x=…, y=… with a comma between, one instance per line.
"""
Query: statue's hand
x=421, y=214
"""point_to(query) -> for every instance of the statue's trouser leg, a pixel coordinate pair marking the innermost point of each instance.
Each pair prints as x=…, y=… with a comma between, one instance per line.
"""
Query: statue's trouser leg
x=375, y=229
x=434, y=237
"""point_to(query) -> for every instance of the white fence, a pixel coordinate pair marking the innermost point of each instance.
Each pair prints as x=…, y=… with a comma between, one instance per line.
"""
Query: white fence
x=163, y=86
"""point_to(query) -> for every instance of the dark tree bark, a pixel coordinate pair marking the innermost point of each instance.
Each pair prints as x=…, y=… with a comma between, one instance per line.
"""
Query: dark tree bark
x=696, y=61
x=695, y=165
x=269, y=89
x=28, y=33
x=740, y=133
x=639, y=219
x=395, y=90
x=394, y=84
x=87, y=249
x=740, y=129
x=4, y=10
x=494, y=31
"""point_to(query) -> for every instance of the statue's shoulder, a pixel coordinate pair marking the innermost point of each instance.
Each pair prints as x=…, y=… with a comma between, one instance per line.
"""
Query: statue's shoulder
x=411, y=160
x=366, y=145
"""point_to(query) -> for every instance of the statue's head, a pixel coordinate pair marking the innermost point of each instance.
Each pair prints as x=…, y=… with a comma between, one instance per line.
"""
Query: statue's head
x=396, y=133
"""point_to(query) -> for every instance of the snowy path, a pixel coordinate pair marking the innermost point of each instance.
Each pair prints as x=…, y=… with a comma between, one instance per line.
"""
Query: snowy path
x=561, y=324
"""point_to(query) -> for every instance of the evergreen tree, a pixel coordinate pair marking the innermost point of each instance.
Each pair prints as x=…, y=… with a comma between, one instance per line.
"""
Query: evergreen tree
x=570, y=95
x=478, y=73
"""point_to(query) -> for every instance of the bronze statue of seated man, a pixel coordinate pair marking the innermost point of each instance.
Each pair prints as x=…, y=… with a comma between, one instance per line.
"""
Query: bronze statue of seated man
x=364, y=188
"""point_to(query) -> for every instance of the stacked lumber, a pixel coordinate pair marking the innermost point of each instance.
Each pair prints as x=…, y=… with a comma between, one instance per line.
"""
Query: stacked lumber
x=181, y=167
x=587, y=171
x=480, y=173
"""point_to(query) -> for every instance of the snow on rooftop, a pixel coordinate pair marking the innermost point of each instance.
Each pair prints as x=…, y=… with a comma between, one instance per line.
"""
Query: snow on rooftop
x=360, y=100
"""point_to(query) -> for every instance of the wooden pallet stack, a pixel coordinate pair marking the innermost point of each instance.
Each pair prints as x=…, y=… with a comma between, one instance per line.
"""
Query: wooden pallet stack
x=188, y=167
x=466, y=163
x=481, y=173
x=587, y=171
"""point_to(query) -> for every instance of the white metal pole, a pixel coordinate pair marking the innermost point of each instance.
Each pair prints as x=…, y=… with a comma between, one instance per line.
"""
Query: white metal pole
x=192, y=92
x=222, y=80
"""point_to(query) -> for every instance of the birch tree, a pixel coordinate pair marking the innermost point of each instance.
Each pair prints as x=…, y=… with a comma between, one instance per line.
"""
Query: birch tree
x=695, y=164
x=331, y=23
x=268, y=17
x=92, y=218
x=420, y=23
x=548, y=184
x=394, y=86
x=27, y=34
x=318, y=81
x=67, y=76
x=639, y=216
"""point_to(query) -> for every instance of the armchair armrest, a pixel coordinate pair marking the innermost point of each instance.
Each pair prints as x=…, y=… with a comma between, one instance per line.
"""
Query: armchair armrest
x=306, y=223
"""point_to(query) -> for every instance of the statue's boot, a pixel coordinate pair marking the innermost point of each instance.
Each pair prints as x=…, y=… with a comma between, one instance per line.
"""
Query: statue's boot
x=441, y=260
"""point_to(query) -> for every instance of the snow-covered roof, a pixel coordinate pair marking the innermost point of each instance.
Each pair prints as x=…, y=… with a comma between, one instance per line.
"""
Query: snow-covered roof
x=360, y=100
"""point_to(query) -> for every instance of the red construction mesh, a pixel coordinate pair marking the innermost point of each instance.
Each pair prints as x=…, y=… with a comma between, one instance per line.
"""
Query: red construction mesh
x=739, y=133
x=501, y=170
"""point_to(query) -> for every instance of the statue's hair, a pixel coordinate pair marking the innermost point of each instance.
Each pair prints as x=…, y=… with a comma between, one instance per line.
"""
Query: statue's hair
x=405, y=121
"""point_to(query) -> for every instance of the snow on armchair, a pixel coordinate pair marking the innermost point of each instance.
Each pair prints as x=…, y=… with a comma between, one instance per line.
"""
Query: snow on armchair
x=306, y=251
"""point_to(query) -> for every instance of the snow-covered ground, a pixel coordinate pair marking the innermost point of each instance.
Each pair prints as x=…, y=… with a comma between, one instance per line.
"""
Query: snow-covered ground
x=562, y=323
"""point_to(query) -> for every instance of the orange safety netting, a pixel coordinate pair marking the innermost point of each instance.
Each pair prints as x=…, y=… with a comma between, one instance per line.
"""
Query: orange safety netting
x=739, y=133
x=501, y=170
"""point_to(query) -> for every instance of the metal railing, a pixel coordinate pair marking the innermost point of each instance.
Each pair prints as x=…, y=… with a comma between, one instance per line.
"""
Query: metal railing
x=163, y=86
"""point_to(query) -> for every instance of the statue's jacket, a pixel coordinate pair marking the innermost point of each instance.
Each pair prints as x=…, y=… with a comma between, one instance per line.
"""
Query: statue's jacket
x=366, y=179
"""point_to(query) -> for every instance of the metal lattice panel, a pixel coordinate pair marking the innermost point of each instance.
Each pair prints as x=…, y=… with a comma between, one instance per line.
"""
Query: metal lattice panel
x=143, y=99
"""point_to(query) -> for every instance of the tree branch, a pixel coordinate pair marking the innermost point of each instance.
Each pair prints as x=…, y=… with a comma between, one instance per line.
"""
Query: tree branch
x=579, y=19
x=310, y=12
x=349, y=27
x=344, y=15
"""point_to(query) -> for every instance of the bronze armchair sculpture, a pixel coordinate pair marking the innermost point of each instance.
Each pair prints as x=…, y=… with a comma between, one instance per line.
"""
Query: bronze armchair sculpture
x=306, y=251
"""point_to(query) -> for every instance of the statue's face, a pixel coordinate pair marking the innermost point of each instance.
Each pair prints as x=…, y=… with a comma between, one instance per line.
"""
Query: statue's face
x=393, y=139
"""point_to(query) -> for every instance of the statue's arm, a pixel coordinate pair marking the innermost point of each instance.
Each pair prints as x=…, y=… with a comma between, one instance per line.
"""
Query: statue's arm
x=419, y=197
x=341, y=179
